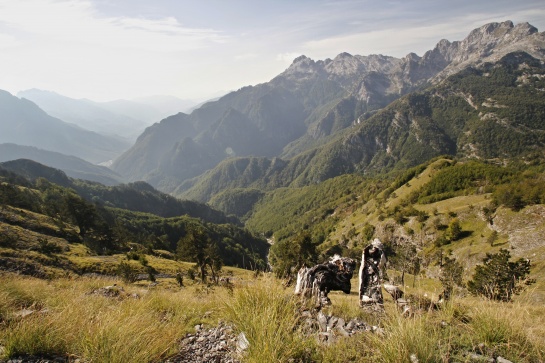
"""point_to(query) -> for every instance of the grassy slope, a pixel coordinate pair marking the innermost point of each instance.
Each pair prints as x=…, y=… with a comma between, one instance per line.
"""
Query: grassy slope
x=69, y=320
x=520, y=232
x=96, y=328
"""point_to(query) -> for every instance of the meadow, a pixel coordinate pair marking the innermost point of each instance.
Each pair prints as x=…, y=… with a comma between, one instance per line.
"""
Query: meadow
x=146, y=322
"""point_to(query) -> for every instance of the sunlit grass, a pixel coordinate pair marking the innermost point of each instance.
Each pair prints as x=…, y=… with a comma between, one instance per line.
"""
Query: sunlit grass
x=269, y=317
x=70, y=321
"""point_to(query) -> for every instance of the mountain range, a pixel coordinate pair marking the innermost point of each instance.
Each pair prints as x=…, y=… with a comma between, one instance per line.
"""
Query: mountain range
x=122, y=118
x=73, y=167
x=22, y=122
x=321, y=119
x=479, y=97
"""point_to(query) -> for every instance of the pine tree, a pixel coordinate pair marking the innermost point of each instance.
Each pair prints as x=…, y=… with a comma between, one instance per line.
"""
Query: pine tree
x=498, y=278
x=197, y=246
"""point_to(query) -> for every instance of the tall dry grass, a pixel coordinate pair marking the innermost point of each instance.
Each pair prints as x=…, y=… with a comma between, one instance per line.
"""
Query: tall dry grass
x=268, y=315
x=71, y=322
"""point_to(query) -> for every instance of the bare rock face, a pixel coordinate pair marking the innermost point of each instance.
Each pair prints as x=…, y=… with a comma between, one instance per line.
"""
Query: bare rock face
x=489, y=43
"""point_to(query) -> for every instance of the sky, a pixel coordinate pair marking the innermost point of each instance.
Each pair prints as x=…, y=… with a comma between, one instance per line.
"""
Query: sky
x=122, y=49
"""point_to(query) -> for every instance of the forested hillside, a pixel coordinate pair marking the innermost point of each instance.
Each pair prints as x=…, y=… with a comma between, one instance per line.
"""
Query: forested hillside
x=51, y=215
x=330, y=117
x=494, y=111
x=446, y=207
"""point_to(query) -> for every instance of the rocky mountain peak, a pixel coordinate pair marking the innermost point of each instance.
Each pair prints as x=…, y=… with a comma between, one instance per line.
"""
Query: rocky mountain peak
x=525, y=29
x=302, y=66
x=488, y=43
x=412, y=57
x=344, y=65
x=310, y=101
x=301, y=59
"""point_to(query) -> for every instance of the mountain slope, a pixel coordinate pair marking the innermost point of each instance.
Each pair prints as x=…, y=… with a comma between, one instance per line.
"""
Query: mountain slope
x=24, y=123
x=308, y=105
x=40, y=220
x=495, y=111
x=137, y=197
x=73, y=167
x=104, y=118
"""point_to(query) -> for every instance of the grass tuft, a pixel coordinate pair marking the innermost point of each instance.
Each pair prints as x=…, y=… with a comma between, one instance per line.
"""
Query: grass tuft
x=268, y=317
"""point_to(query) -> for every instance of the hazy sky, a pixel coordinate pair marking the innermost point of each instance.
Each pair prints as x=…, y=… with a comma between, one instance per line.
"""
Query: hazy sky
x=110, y=49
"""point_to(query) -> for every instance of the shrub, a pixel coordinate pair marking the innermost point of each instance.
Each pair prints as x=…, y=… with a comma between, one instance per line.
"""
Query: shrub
x=127, y=272
x=451, y=276
x=454, y=230
x=47, y=247
x=499, y=279
x=7, y=240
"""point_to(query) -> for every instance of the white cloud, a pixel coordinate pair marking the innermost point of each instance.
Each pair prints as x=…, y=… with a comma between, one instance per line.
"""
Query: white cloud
x=8, y=41
x=78, y=21
x=69, y=47
x=76, y=48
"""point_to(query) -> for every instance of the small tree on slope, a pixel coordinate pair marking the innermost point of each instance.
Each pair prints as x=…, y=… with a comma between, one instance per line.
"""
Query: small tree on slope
x=498, y=278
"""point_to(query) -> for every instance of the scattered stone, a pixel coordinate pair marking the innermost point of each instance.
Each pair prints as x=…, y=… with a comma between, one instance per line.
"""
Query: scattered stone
x=327, y=328
x=322, y=321
x=378, y=330
x=109, y=291
x=114, y=291
x=414, y=358
x=332, y=323
x=218, y=344
x=394, y=291
x=341, y=330
x=242, y=343
x=502, y=360
x=23, y=313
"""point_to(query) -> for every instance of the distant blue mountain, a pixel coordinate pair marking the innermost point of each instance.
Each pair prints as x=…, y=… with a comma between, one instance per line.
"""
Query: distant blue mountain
x=73, y=167
x=22, y=122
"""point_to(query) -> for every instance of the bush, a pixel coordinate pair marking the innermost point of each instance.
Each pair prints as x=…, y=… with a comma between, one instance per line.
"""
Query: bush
x=127, y=272
x=7, y=240
x=499, y=279
x=451, y=276
x=47, y=247
x=454, y=230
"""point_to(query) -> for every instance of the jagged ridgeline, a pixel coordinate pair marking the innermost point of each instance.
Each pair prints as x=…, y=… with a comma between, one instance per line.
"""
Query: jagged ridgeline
x=112, y=219
x=495, y=111
x=321, y=119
